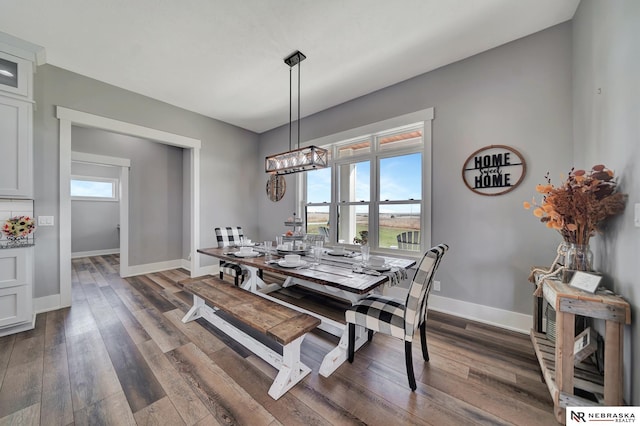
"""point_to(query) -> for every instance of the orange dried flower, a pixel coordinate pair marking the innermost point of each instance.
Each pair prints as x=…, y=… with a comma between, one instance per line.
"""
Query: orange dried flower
x=579, y=207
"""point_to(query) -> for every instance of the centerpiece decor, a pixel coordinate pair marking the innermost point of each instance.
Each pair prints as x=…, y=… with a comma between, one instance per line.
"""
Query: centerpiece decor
x=363, y=239
x=18, y=228
x=577, y=209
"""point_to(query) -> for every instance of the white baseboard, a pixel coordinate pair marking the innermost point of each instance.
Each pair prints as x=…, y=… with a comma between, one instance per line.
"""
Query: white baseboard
x=78, y=254
x=204, y=270
x=46, y=303
x=509, y=320
x=150, y=268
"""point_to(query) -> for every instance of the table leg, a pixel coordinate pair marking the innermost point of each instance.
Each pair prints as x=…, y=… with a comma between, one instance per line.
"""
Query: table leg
x=565, y=339
x=613, y=377
x=338, y=355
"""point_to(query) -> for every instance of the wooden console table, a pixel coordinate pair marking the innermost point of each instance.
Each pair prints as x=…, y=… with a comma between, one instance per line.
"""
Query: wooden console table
x=557, y=358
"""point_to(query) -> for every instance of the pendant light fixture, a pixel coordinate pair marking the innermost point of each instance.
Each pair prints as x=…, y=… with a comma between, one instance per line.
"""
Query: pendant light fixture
x=299, y=159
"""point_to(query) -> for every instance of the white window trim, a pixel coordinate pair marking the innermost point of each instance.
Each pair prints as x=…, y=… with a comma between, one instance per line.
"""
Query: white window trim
x=425, y=116
x=115, y=184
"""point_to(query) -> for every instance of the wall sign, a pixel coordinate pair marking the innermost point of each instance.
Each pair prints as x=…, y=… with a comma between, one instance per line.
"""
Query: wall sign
x=494, y=170
x=276, y=187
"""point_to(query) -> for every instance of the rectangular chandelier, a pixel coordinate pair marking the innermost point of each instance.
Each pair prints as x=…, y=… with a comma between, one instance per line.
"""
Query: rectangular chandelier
x=298, y=160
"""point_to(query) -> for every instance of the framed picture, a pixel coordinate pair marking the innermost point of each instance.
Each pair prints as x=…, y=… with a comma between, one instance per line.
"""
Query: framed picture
x=585, y=281
x=15, y=75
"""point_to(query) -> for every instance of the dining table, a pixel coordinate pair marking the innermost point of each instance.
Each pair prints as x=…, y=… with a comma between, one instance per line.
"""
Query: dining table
x=340, y=276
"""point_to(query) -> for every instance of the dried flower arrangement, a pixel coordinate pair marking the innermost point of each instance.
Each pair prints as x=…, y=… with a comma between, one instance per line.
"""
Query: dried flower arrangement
x=18, y=227
x=578, y=208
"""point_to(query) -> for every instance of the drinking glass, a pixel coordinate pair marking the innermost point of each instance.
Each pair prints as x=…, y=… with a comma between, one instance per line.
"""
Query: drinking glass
x=267, y=250
x=317, y=254
x=365, y=253
x=278, y=241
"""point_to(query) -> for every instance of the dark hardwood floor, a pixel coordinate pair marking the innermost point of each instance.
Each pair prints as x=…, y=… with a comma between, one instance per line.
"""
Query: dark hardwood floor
x=120, y=355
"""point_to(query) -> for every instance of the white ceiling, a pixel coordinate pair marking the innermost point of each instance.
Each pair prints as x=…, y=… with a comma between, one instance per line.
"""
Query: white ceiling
x=224, y=58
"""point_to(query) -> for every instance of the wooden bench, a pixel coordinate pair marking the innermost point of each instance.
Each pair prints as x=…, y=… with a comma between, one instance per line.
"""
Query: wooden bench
x=286, y=326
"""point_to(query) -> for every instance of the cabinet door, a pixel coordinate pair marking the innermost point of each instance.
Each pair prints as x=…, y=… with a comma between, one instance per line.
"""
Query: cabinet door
x=14, y=305
x=16, y=171
x=16, y=287
x=14, y=267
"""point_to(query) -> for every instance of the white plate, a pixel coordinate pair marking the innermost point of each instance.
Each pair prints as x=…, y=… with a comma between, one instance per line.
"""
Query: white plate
x=382, y=268
x=286, y=264
x=248, y=254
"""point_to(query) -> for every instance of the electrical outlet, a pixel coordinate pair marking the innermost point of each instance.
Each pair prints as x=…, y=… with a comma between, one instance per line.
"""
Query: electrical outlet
x=637, y=215
x=436, y=286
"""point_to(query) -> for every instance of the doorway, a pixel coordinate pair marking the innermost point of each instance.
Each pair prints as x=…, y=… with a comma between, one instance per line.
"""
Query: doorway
x=68, y=118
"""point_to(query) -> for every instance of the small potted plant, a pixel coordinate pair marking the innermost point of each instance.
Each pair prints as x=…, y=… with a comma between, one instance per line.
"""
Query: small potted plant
x=363, y=239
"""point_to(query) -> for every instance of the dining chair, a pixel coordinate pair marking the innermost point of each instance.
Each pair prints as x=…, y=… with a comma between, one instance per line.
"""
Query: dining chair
x=377, y=313
x=409, y=240
x=227, y=237
x=324, y=231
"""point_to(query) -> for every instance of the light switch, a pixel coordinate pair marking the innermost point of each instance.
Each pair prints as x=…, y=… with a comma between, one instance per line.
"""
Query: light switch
x=45, y=221
x=636, y=217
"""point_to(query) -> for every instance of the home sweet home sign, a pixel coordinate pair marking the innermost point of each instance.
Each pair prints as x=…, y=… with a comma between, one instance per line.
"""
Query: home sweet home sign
x=494, y=170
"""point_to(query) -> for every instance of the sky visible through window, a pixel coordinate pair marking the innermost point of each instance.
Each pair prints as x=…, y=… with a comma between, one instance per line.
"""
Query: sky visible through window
x=400, y=179
x=87, y=188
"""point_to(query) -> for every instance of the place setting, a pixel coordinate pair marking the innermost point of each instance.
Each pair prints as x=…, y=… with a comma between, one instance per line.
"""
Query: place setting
x=292, y=261
x=246, y=251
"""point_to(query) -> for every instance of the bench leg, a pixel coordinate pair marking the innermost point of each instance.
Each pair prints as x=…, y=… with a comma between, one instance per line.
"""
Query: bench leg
x=291, y=371
x=195, y=311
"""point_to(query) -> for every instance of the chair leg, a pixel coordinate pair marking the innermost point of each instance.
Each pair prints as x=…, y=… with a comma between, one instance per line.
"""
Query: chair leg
x=423, y=339
x=221, y=276
x=409, y=362
x=352, y=341
x=236, y=281
x=370, y=336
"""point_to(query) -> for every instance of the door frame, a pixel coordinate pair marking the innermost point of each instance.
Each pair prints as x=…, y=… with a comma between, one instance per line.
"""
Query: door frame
x=123, y=165
x=69, y=117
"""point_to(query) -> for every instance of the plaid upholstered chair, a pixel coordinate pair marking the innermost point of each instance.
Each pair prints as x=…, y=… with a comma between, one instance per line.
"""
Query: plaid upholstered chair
x=228, y=237
x=390, y=316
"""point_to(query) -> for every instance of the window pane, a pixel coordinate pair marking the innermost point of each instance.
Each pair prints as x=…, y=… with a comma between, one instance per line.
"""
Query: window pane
x=396, y=219
x=400, y=140
x=8, y=73
x=354, y=148
x=318, y=220
x=319, y=186
x=354, y=180
x=88, y=188
x=401, y=177
x=352, y=220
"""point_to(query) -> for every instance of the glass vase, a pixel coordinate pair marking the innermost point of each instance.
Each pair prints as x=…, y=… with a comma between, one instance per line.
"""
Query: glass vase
x=579, y=258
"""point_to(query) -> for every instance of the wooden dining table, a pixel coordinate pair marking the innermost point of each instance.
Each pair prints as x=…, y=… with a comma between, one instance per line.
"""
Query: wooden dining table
x=333, y=276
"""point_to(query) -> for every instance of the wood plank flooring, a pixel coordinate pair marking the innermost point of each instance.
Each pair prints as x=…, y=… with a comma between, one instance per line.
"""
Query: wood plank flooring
x=120, y=355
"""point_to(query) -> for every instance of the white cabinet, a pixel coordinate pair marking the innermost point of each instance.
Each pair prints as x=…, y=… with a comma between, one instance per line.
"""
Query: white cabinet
x=16, y=290
x=16, y=145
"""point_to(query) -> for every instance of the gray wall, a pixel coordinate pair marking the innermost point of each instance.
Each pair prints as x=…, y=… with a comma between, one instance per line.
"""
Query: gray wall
x=94, y=223
x=155, y=192
x=606, y=119
x=224, y=197
x=519, y=95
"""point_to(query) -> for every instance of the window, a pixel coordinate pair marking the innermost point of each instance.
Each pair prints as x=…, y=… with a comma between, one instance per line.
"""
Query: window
x=376, y=183
x=94, y=188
